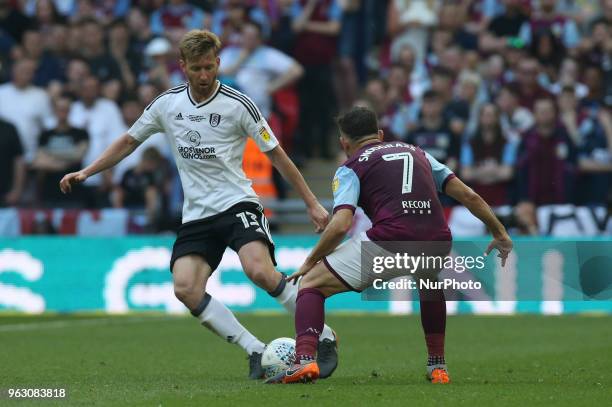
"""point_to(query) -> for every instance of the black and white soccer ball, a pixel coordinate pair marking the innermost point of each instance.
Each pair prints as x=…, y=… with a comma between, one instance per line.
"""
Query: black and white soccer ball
x=278, y=356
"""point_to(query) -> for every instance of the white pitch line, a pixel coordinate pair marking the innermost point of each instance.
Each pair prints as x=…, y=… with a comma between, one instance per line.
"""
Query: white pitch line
x=33, y=326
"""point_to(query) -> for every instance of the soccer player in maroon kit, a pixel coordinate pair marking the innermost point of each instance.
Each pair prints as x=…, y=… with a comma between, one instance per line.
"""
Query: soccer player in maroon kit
x=385, y=179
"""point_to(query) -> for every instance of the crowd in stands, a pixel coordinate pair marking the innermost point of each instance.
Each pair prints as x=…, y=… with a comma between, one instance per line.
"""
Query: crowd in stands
x=513, y=95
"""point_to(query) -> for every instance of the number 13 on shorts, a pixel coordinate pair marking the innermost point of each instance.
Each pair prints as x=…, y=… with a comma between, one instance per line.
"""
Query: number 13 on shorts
x=250, y=219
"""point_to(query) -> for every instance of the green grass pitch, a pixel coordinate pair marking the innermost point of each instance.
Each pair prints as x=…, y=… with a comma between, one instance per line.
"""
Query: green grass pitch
x=172, y=361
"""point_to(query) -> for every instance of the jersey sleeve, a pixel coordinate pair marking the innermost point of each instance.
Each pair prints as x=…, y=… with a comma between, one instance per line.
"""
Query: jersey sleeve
x=441, y=173
x=346, y=189
x=148, y=123
x=255, y=126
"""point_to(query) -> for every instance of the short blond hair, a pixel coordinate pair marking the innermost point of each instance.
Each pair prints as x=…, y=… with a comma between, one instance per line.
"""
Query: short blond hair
x=196, y=43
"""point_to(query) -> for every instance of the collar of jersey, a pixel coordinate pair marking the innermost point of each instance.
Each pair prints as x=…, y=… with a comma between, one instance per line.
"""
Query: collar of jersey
x=207, y=101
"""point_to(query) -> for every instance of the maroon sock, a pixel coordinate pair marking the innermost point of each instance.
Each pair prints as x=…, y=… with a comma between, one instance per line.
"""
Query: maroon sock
x=433, y=319
x=309, y=319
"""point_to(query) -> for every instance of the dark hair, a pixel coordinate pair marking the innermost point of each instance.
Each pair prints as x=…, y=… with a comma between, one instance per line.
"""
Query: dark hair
x=442, y=71
x=557, y=49
x=512, y=89
x=431, y=96
x=358, y=122
x=480, y=148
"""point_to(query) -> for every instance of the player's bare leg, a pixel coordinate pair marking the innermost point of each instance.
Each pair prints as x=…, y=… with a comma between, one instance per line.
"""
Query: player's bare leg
x=315, y=286
x=190, y=274
x=257, y=264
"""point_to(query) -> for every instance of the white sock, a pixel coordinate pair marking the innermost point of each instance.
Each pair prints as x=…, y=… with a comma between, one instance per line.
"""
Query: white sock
x=215, y=316
x=285, y=294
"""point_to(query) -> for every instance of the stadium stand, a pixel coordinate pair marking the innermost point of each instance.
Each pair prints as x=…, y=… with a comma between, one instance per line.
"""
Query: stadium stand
x=516, y=95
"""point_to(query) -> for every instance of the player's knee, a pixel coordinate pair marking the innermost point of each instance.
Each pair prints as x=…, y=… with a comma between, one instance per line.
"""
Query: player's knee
x=188, y=294
x=261, y=273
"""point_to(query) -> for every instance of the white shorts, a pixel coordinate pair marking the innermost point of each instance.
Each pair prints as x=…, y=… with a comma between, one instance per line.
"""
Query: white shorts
x=345, y=262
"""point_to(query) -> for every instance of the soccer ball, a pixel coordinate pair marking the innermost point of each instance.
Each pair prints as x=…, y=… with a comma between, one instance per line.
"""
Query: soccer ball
x=278, y=356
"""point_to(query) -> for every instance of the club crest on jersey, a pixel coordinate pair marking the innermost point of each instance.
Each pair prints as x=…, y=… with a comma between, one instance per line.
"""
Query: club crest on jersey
x=214, y=119
x=194, y=138
x=335, y=184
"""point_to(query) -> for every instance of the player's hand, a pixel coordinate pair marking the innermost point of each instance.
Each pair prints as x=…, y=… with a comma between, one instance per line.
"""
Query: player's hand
x=319, y=216
x=503, y=245
x=304, y=269
x=71, y=179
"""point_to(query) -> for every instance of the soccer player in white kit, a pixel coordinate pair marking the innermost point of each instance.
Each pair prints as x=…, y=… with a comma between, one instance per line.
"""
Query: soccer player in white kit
x=207, y=124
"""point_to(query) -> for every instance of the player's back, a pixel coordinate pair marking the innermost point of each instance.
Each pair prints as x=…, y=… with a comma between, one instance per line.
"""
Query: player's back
x=398, y=190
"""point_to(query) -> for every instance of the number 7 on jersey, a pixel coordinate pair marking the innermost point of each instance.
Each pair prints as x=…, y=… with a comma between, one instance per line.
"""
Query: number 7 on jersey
x=408, y=168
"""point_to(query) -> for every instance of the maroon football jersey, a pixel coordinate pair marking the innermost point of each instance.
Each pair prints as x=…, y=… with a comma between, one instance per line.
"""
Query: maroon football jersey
x=396, y=184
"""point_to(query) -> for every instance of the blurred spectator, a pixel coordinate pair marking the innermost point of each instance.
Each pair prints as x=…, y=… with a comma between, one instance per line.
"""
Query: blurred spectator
x=46, y=16
x=605, y=12
x=24, y=105
x=101, y=119
x=143, y=187
x=453, y=16
x=258, y=70
x=351, y=52
x=488, y=158
x=504, y=27
x=468, y=92
x=48, y=67
x=140, y=30
x=227, y=20
x=549, y=51
x=593, y=137
x=547, y=18
x=61, y=150
x=101, y=63
x=147, y=92
x=595, y=47
x=440, y=41
x=515, y=119
x=12, y=165
x=581, y=11
x=56, y=42
x=409, y=22
x=596, y=96
x=418, y=79
x=568, y=77
x=76, y=72
x=493, y=74
x=375, y=97
x=434, y=134
x=178, y=14
x=122, y=50
x=13, y=21
x=162, y=68
x=316, y=24
x=456, y=112
x=546, y=164
x=282, y=36
x=101, y=10
x=529, y=89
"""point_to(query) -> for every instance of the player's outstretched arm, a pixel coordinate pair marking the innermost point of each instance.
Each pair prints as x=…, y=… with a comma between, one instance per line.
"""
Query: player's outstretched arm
x=455, y=188
x=318, y=214
x=333, y=235
x=121, y=148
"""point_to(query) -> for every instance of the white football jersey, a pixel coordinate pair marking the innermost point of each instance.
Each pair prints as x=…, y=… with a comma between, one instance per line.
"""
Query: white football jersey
x=207, y=140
